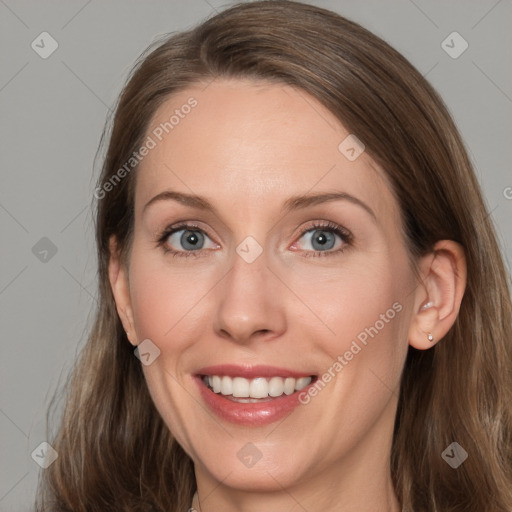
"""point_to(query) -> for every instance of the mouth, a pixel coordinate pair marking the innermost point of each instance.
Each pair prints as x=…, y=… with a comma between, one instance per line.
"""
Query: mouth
x=257, y=390
x=252, y=396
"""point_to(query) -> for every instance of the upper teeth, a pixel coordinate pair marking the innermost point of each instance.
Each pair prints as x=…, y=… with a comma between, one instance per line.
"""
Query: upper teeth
x=260, y=387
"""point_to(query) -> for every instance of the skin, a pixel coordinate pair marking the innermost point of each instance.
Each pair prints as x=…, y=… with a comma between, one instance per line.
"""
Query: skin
x=247, y=147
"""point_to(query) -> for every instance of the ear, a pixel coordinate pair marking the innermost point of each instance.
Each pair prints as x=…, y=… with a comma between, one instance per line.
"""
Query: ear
x=118, y=277
x=443, y=273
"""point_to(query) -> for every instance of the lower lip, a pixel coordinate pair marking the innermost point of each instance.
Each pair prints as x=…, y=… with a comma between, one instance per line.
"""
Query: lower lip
x=256, y=414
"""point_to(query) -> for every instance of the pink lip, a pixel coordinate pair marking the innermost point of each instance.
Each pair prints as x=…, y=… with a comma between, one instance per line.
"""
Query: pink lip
x=250, y=372
x=250, y=414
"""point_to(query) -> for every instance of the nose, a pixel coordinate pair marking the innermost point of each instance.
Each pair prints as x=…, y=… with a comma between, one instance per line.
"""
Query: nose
x=250, y=303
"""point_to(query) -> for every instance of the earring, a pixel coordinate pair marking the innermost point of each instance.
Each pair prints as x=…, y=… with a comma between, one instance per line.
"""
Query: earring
x=427, y=305
x=430, y=337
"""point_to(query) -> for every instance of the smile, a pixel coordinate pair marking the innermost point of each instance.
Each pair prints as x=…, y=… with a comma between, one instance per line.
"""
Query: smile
x=255, y=389
x=251, y=395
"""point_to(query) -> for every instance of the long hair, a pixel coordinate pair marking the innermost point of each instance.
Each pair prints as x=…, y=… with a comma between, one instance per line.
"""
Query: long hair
x=115, y=451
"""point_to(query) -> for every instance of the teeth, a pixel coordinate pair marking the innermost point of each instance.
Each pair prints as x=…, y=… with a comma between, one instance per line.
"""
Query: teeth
x=276, y=386
x=226, y=386
x=240, y=387
x=216, y=384
x=259, y=387
x=289, y=385
x=302, y=383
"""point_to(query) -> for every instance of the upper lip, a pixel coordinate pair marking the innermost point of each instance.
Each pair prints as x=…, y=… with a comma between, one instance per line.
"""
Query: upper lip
x=251, y=372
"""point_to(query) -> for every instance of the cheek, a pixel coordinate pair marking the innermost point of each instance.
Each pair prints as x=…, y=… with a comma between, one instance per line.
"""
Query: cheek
x=359, y=292
x=153, y=301
x=364, y=305
x=366, y=308
x=160, y=298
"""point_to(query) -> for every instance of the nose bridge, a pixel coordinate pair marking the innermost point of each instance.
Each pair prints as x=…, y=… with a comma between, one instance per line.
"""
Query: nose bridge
x=249, y=274
x=248, y=300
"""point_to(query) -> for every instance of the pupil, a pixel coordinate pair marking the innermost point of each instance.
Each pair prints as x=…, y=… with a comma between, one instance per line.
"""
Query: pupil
x=190, y=239
x=323, y=240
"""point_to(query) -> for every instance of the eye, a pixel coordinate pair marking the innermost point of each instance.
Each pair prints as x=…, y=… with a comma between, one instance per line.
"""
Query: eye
x=185, y=240
x=324, y=239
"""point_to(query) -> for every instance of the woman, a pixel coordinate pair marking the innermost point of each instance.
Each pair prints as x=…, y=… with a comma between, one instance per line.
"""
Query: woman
x=302, y=301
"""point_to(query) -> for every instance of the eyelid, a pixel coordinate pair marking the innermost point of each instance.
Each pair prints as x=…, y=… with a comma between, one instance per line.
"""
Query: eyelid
x=183, y=225
x=342, y=232
x=163, y=236
x=327, y=226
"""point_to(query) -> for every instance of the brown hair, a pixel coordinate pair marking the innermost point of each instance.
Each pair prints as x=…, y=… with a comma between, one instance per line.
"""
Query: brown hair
x=116, y=453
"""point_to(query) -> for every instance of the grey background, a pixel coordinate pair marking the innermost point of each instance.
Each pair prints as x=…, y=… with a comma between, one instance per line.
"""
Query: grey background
x=52, y=114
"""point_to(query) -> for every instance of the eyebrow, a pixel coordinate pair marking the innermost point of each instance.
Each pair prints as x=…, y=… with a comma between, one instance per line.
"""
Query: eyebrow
x=291, y=204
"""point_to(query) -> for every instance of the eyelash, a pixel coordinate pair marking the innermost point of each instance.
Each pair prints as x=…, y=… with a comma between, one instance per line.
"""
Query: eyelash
x=343, y=233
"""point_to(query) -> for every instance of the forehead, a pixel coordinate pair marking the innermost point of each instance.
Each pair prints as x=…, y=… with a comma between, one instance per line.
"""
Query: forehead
x=251, y=145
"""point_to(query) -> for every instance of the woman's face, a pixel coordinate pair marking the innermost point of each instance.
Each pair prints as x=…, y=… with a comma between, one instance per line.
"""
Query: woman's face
x=293, y=267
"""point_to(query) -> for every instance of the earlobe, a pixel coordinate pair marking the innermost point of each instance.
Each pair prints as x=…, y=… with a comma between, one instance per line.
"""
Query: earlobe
x=439, y=298
x=118, y=277
x=424, y=332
